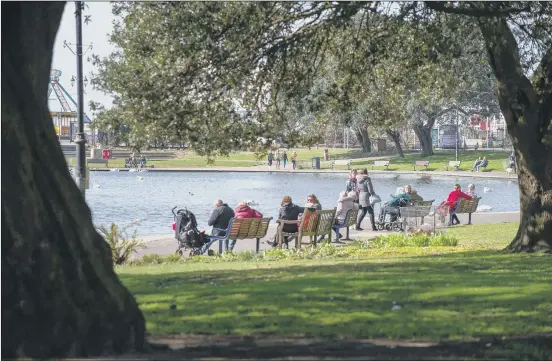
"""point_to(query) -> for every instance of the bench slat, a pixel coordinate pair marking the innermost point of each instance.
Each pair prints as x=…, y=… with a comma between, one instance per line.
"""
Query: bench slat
x=249, y=228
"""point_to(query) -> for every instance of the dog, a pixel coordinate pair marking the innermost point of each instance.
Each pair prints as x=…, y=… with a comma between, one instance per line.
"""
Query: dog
x=509, y=171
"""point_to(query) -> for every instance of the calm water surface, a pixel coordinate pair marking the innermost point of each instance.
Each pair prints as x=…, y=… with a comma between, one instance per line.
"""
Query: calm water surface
x=122, y=197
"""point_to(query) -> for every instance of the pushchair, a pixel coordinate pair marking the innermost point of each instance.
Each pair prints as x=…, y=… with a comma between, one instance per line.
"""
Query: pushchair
x=186, y=233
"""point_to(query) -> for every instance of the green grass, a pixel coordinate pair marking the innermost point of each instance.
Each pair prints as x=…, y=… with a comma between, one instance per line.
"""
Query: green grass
x=497, y=160
x=445, y=293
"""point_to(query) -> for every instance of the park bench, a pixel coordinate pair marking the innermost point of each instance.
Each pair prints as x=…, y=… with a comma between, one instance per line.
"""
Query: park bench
x=465, y=206
x=346, y=162
x=420, y=209
x=313, y=224
x=453, y=164
x=381, y=163
x=421, y=163
x=349, y=221
x=97, y=161
x=483, y=167
x=243, y=228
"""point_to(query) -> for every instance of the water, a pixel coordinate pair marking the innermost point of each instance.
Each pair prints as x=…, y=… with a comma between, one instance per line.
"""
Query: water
x=122, y=197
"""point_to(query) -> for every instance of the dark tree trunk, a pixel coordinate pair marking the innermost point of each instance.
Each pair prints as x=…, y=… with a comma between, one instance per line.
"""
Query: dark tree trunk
x=396, y=138
x=367, y=144
x=358, y=136
x=423, y=132
x=527, y=109
x=60, y=294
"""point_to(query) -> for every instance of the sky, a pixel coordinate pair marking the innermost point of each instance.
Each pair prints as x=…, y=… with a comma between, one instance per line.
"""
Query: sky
x=96, y=33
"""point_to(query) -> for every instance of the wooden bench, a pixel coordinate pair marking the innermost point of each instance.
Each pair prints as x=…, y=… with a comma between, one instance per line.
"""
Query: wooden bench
x=346, y=162
x=421, y=163
x=313, y=224
x=381, y=163
x=483, y=167
x=348, y=221
x=465, y=206
x=243, y=228
x=453, y=164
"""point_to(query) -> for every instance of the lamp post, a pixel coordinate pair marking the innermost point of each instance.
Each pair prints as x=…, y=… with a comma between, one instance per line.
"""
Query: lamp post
x=80, y=169
x=457, y=130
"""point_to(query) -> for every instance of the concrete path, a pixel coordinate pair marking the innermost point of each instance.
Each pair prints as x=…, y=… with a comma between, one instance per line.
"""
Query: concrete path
x=265, y=169
x=166, y=244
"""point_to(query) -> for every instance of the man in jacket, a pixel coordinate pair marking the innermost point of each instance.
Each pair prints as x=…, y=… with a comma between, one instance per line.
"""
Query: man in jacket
x=220, y=218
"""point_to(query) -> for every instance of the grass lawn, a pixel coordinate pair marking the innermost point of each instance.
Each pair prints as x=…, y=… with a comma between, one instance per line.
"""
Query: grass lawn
x=497, y=161
x=446, y=293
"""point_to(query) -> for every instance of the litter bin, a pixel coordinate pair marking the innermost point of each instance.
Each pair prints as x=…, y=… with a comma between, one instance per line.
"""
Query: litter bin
x=315, y=162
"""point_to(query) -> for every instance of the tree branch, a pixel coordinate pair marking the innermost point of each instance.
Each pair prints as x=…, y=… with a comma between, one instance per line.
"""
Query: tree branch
x=543, y=87
x=474, y=12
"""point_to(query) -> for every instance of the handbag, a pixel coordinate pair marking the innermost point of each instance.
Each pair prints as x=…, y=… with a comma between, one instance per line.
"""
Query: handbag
x=374, y=199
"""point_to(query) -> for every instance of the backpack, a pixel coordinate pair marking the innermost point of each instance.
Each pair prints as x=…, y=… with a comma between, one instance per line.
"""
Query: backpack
x=186, y=231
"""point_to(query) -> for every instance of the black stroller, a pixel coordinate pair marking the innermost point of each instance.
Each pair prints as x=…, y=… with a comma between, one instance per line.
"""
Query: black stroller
x=186, y=233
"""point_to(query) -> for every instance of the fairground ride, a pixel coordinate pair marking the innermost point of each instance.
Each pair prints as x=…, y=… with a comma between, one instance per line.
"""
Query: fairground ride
x=66, y=119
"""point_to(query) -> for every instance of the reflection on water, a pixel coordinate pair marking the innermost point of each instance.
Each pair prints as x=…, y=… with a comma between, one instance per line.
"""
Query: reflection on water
x=122, y=197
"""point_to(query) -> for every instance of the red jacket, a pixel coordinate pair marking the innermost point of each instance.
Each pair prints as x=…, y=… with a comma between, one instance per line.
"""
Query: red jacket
x=246, y=212
x=455, y=196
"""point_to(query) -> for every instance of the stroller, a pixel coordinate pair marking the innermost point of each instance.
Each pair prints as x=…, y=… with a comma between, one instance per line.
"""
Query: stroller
x=390, y=216
x=187, y=234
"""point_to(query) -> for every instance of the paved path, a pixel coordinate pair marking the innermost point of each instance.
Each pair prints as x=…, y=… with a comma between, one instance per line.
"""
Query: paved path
x=166, y=244
x=265, y=169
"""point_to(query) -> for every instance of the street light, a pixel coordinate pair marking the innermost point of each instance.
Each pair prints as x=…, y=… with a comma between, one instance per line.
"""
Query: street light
x=457, y=130
x=80, y=169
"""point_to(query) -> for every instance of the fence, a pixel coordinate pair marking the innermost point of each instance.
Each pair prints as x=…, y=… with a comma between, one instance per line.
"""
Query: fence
x=425, y=219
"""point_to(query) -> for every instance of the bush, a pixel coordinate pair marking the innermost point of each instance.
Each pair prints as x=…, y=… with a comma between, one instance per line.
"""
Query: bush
x=418, y=240
x=122, y=246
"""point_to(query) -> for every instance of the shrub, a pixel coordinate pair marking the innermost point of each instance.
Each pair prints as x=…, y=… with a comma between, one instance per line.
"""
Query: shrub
x=122, y=246
x=418, y=240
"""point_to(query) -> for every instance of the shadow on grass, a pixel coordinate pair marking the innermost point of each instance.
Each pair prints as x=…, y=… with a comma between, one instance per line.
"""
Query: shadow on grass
x=442, y=298
x=231, y=347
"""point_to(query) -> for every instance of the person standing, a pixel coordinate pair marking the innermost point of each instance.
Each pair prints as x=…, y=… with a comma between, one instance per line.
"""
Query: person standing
x=351, y=184
x=512, y=160
x=294, y=159
x=365, y=190
x=284, y=158
x=278, y=159
x=270, y=159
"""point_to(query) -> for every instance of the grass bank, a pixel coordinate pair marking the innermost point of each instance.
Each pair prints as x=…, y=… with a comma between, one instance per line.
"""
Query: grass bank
x=433, y=294
x=497, y=161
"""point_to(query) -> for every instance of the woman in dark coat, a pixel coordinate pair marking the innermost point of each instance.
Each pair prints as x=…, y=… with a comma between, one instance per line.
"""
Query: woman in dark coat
x=288, y=212
x=365, y=190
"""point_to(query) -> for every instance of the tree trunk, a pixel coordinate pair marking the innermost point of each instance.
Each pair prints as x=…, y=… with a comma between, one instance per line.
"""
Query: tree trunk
x=396, y=137
x=423, y=132
x=527, y=109
x=60, y=294
x=358, y=136
x=367, y=144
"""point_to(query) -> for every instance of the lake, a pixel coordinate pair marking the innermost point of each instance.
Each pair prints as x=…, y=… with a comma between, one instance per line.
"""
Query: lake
x=122, y=197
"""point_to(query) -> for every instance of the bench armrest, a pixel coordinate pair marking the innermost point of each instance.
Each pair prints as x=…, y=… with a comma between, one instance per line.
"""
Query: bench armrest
x=285, y=221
